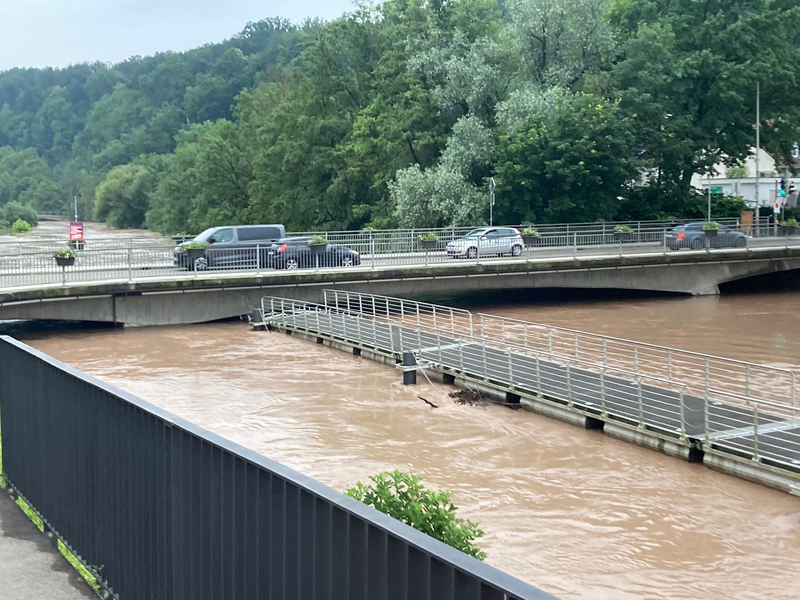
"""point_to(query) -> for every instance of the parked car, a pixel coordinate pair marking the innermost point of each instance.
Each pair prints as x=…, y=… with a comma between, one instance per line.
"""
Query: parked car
x=296, y=253
x=692, y=236
x=237, y=246
x=487, y=241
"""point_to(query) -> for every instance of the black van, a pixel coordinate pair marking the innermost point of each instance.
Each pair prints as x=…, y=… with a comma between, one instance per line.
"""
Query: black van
x=237, y=246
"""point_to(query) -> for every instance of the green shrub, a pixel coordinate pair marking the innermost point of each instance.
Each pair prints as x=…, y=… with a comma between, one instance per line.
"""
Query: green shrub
x=65, y=253
x=195, y=246
x=713, y=226
x=14, y=210
x=403, y=497
x=530, y=232
x=789, y=223
x=739, y=172
x=20, y=226
x=429, y=237
x=623, y=229
x=317, y=240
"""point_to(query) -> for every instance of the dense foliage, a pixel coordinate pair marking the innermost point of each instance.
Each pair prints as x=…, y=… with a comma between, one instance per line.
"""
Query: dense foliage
x=398, y=114
x=402, y=496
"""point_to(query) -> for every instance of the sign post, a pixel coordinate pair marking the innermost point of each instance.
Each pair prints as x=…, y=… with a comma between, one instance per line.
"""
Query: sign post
x=76, y=234
x=491, y=200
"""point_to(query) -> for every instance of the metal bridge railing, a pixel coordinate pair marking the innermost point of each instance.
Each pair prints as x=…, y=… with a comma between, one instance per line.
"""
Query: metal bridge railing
x=172, y=511
x=730, y=406
x=148, y=260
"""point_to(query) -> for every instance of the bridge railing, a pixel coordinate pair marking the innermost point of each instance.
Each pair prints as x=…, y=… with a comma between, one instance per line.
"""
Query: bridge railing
x=148, y=260
x=171, y=510
x=703, y=375
x=625, y=385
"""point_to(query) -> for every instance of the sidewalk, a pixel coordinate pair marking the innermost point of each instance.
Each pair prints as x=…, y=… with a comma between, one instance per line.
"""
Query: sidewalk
x=30, y=567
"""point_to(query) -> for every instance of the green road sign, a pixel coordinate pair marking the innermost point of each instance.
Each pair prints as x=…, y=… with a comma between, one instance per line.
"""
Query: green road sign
x=716, y=189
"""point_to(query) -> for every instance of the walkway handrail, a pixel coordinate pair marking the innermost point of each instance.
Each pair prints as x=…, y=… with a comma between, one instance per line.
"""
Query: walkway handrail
x=169, y=508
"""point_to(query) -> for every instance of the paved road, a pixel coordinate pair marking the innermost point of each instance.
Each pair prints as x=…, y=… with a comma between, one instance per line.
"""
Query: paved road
x=30, y=567
x=661, y=409
x=112, y=265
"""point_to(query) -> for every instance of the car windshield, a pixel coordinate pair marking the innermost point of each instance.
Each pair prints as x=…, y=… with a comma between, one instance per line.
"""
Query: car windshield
x=203, y=237
x=475, y=233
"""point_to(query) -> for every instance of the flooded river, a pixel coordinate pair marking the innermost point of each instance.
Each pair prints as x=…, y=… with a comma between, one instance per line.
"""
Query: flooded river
x=572, y=511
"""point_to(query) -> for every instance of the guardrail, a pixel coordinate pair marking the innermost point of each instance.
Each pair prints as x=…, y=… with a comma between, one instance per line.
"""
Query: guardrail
x=129, y=263
x=170, y=510
x=719, y=404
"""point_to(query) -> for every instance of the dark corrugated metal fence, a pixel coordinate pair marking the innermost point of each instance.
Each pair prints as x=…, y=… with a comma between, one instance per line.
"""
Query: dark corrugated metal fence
x=170, y=511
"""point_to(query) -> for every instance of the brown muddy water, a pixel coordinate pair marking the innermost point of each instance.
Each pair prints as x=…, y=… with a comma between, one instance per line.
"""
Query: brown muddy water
x=571, y=511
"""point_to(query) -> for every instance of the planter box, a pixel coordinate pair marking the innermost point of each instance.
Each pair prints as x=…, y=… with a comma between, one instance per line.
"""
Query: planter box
x=532, y=240
x=317, y=249
x=787, y=230
x=429, y=244
x=622, y=236
x=192, y=254
x=711, y=232
x=65, y=261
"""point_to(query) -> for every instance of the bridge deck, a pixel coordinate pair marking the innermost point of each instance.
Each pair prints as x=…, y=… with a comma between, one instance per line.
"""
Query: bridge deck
x=731, y=428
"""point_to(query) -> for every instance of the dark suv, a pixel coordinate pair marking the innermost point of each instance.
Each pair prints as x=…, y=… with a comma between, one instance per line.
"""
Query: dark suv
x=237, y=246
x=692, y=236
x=296, y=253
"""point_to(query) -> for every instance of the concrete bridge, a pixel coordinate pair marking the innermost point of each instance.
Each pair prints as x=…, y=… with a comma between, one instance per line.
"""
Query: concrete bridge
x=184, y=297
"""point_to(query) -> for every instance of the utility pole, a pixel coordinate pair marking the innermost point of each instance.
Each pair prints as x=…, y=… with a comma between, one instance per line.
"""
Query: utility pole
x=491, y=200
x=758, y=150
x=76, y=207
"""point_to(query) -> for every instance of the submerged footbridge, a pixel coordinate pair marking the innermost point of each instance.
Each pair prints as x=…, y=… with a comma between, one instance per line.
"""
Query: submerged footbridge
x=736, y=417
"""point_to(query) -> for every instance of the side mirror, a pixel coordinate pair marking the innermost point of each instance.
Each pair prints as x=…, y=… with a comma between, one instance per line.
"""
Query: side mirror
x=211, y=240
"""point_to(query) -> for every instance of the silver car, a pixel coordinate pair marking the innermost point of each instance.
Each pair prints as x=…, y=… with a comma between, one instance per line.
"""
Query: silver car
x=487, y=241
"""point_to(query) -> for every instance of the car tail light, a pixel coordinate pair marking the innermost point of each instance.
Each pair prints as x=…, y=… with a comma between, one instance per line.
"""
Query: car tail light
x=283, y=247
x=680, y=236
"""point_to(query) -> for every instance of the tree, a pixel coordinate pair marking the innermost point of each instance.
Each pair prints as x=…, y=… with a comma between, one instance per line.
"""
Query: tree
x=123, y=196
x=402, y=496
x=688, y=73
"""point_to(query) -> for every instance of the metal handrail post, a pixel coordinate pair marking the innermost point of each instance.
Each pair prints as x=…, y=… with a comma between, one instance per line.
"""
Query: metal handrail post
x=603, y=411
x=538, y=376
x=258, y=259
x=569, y=386
x=755, y=433
x=641, y=406
x=510, y=370
x=683, y=414
x=485, y=365
x=130, y=265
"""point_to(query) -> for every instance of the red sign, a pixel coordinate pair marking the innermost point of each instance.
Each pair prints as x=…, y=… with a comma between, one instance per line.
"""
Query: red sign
x=76, y=231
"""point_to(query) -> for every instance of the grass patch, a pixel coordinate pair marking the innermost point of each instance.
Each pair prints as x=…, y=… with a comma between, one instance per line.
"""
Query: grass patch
x=85, y=575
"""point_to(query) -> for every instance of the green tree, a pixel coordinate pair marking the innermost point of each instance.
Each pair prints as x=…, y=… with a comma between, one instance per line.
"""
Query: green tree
x=402, y=496
x=123, y=197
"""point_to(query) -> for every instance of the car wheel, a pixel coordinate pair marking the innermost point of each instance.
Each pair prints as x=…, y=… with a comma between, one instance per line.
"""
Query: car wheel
x=741, y=242
x=516, y=250
x=697, y=244
x=201, y=264
x=291, y=264
x=472, y=252
x=347, y=261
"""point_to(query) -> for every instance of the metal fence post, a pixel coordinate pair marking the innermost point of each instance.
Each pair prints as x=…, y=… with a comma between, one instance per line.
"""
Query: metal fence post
x=603, y=393
x=569, y=386
x=683, y=415
x=641, y=407
x=130, y=265
x=755, y=433
x=258, y=259
x=575, y=245
x=538, y=376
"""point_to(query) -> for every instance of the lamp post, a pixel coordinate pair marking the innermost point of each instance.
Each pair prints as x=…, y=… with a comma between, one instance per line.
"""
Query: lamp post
x=491, y=200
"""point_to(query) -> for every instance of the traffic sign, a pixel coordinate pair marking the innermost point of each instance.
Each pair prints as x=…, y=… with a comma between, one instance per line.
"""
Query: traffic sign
x=776, y=208
x=716, y=189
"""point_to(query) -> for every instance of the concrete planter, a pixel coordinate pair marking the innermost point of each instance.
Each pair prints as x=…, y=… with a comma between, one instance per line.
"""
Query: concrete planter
x=711, y=232
x=788, y=230
x=622, y=236
x=429, y=244
x=318, y=249
x=532, y=240
x=192, y=256
x=65, y=261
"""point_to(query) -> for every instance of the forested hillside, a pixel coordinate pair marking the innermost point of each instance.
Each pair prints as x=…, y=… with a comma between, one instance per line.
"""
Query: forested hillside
x=398, y=114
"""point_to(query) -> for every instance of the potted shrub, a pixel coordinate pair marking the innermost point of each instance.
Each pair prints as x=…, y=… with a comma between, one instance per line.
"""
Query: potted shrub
x=65, y=258
x=622, y=233
x=194, y=251
x=530, y=236
x=788, y=227
x=20, y=226
x=318, y=245
x=711, y=229
x=429, y=240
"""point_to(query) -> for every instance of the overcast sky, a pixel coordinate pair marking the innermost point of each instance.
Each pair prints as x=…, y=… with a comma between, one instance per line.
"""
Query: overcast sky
x=38, y=33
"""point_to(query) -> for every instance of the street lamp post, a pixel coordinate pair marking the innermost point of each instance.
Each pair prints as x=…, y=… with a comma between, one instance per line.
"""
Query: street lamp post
x=491, y=200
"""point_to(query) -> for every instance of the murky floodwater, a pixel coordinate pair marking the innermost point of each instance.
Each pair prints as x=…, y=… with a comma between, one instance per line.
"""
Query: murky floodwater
x=572, y=511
